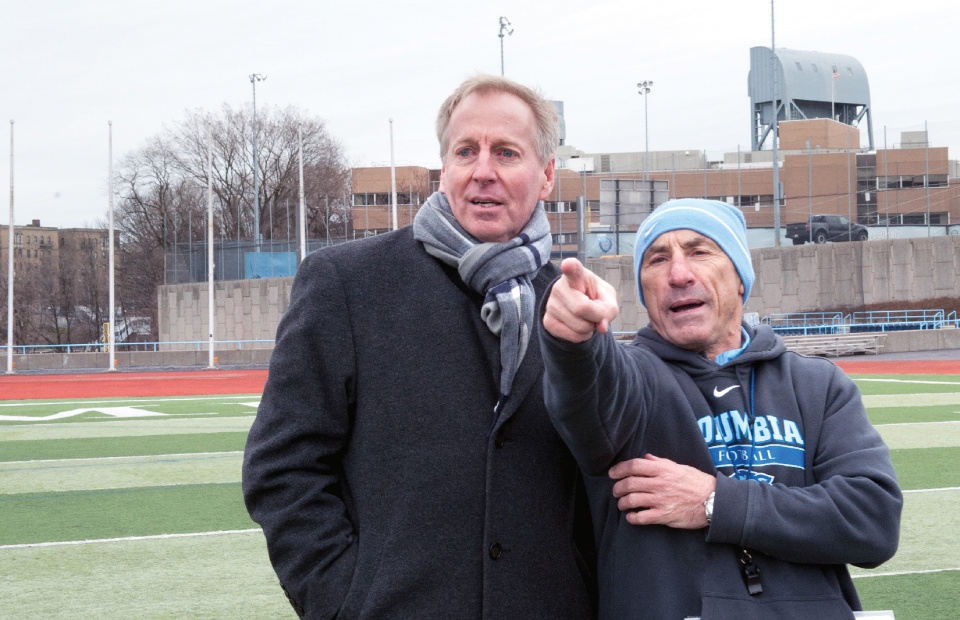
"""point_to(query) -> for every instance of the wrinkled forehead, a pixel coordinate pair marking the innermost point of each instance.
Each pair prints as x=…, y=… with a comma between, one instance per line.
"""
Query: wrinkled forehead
x=683, y=239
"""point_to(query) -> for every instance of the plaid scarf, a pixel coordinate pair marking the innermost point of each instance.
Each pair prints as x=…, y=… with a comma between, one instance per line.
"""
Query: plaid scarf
x=501, y=272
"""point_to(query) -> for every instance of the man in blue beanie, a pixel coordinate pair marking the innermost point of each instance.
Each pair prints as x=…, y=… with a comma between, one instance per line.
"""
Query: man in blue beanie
x=728, y=477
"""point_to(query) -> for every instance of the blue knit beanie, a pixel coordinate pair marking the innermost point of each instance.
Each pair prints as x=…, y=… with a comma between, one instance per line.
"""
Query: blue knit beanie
x=721, y=222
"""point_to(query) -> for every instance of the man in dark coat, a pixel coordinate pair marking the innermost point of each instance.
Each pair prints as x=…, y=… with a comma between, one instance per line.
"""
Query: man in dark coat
x=402, y=463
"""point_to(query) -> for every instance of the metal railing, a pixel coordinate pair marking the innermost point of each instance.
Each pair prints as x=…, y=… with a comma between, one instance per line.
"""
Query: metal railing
x=186, y=345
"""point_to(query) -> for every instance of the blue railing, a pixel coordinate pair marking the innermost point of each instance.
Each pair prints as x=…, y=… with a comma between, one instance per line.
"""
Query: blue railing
x=895, y=320
x=805, y=323
x=828, y=323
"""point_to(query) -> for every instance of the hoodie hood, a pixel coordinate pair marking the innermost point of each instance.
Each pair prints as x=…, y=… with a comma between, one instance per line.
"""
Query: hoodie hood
x=764, y=345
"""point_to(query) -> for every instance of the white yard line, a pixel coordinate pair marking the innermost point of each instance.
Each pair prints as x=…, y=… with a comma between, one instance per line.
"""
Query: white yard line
x=915, y=381
x=97, y=541
x=940, y=490
x=897, y=573
x=165, y=425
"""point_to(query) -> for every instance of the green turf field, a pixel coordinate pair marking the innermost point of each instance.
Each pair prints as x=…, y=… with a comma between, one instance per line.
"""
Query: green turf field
x=131, y=508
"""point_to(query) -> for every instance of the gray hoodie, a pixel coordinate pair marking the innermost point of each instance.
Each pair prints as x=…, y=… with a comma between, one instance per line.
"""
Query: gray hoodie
x=804, y=481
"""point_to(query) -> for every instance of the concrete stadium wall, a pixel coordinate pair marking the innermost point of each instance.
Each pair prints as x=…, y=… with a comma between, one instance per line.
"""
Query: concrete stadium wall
x=243, y=310
x=789, y=279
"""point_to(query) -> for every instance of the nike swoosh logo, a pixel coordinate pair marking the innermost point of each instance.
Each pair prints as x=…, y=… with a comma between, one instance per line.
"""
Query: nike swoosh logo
x=718, y=393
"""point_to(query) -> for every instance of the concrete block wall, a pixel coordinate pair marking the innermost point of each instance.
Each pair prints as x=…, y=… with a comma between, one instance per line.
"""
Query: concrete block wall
x=812, y=277
x=243, y=310
x=789, y=279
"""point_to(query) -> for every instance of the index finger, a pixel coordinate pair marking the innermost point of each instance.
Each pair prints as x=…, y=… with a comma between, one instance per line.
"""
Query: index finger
x=575, y=273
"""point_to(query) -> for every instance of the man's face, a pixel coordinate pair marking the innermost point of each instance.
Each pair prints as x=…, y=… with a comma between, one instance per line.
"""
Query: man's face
x=491, y=173
x=693, y=293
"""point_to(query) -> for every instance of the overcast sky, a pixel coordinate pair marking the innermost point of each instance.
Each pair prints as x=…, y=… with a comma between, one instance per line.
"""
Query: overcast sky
x=70, y=66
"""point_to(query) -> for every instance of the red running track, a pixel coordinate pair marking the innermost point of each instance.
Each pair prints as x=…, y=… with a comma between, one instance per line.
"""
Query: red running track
x=198, y=382
x=105, y=384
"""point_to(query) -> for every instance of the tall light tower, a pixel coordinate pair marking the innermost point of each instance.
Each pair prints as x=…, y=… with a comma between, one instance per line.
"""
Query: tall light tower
x=254, y=78
x=504, y=23
x=644, y=90
x=776, y=132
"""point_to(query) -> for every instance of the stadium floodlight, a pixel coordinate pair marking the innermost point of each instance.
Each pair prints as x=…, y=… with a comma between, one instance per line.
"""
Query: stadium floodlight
x=504, y=23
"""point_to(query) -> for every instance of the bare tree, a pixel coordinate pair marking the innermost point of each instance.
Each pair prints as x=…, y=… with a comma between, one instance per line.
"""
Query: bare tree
x=162, y=197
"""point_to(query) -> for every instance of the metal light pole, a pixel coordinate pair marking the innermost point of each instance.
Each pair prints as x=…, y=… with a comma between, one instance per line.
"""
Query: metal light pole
x=211, y=358
x=254, y=78
x=301, y=218
x=504, y=22
x=393, y=183
x=644, y=90
x=111, y=345
x=10, y=271
x=776, y=134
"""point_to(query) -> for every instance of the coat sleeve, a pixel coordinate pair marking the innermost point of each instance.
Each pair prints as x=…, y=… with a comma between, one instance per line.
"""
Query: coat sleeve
x=292, y=481
x=849, y=511
x=596, y=429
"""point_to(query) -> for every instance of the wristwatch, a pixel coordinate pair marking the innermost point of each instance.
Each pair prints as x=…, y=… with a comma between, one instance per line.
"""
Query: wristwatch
x=708, y=506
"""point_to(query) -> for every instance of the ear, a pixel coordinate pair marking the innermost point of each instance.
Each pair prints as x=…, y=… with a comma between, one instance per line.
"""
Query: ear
x=548, y=178
x=443, y=175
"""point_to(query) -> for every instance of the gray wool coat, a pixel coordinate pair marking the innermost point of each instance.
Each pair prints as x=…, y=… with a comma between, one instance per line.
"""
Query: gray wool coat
x=383, y=486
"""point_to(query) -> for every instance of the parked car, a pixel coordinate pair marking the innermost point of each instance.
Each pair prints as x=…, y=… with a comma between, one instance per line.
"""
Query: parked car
x=823, y=228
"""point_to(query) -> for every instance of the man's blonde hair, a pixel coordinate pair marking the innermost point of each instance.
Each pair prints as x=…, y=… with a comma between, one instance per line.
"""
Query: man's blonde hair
x=547, y=121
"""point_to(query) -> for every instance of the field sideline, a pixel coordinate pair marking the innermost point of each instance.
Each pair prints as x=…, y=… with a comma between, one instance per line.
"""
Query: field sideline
x=120, y=494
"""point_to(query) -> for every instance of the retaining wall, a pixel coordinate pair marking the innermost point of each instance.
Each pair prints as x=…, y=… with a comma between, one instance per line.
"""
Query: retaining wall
x=789, y=279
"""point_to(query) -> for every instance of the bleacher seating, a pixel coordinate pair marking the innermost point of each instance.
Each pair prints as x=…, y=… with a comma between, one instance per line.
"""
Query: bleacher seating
x=831, y=334
x=837, y=345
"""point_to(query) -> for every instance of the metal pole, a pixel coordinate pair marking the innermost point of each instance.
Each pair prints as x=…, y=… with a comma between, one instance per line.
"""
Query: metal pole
x=644, y=90
x=849, y=189
x=10, y=272
x=739, y=183
x=113, y=322
x=926, y=172
x=776, y=135
x=809, y=189
x=254, y=78
x=504, y=22
x=393, y=182
x=302, y=220
x=886, y=181
x=210, y=265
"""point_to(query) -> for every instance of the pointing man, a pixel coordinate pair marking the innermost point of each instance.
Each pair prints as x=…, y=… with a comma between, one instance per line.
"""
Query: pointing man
x=751, y=475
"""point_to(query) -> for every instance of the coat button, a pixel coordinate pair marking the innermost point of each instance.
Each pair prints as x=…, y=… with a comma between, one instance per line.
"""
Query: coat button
x=499, y=439
x=495, y=551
